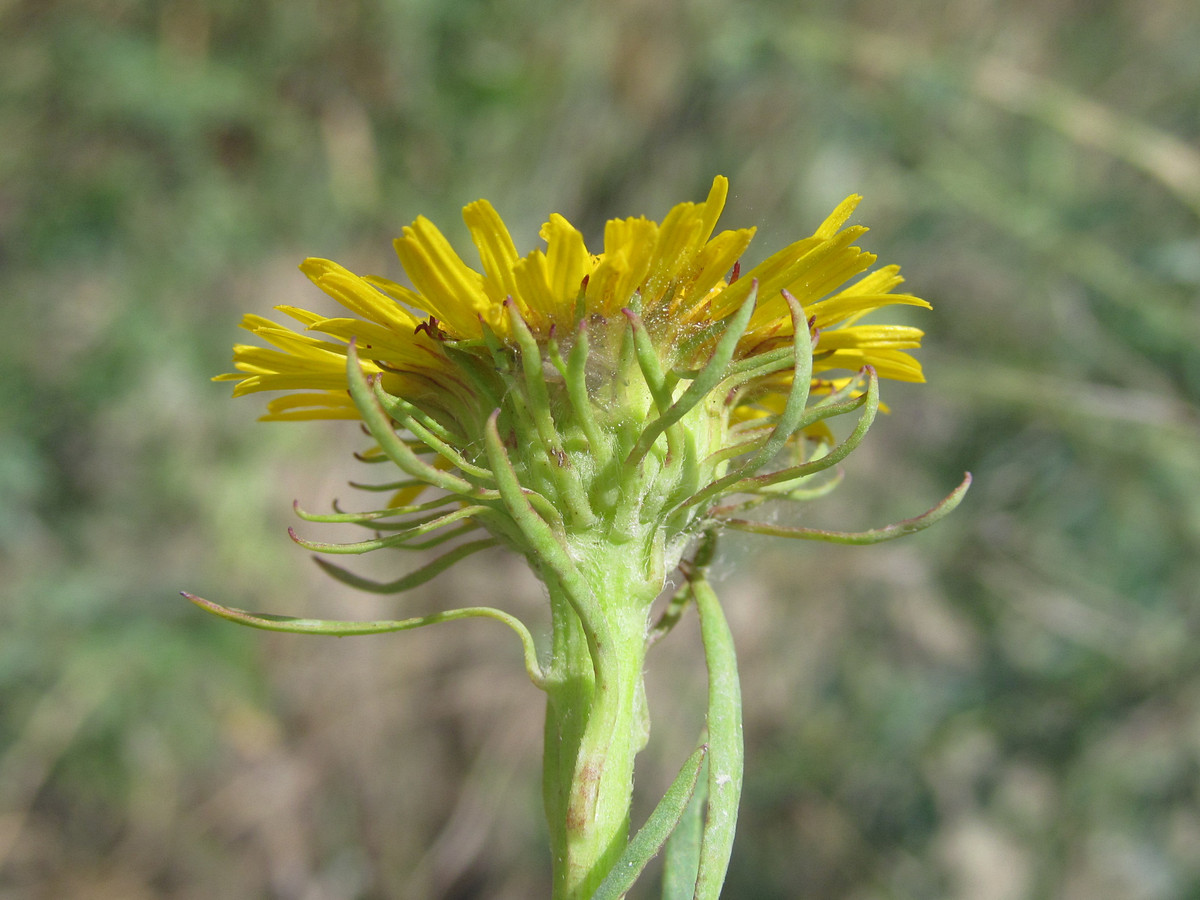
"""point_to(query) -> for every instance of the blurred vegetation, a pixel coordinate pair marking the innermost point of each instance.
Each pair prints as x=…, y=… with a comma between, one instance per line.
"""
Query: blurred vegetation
x=1005, y=707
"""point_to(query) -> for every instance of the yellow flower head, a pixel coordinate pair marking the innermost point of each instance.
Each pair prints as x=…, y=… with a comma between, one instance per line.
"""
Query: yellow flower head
x=621, y=393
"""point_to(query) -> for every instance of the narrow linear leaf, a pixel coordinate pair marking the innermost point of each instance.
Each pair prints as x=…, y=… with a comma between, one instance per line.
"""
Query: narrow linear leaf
x=874, y=536
x=681, y=862
x=790, y=419
x=388, y=486
x=648, y=362
x=577, y=391
x=870, y=407
x=734, y=484
x=535, y=380
x=726, y=750
x=339, y=628
x=412, y=579
x=542, y=536
x=379, y=424
x=394, y=540
x=406, y=415
x=362, y=518
x=658, y=828
x=670, y=616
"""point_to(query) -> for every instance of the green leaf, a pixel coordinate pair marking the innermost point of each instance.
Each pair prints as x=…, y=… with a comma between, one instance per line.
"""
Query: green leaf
x=726, y=751
x=870, y=407
x=658, y=828
x=398, y=539
x=732, y=484
x=681, y=863
x=370, y=516
x=874, y=536
x=336, y=628
x=412, y=579
x=408, y=417
x=789, y=421
x=379, y=424
x=543, y=537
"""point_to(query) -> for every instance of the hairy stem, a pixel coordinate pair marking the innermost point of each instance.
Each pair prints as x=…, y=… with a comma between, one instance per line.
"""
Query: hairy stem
x=595, y=725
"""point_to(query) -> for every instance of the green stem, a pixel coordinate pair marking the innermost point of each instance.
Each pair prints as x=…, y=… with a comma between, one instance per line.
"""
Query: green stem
x=595, y=724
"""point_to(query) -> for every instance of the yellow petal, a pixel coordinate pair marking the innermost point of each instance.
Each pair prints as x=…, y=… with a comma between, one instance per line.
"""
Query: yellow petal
x=710, y=211
x=628, y=246
x=496, y=249
x=838, y=217
x=538, y=302
x=451, y=290
x=567, y=262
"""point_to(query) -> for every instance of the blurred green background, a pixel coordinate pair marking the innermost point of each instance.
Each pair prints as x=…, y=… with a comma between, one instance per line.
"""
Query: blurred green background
x=1005, y=707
